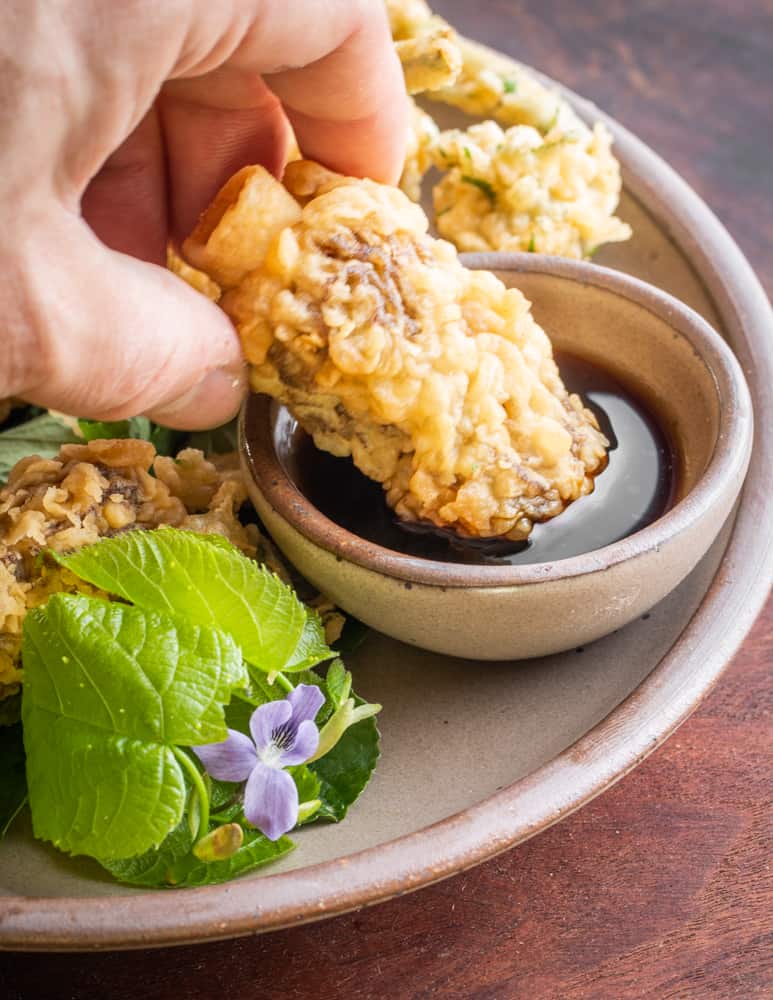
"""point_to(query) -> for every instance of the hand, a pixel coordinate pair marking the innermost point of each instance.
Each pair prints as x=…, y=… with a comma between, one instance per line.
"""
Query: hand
x=118, y=123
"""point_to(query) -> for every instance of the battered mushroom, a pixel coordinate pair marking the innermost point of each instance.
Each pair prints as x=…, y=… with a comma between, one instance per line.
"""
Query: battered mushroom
x=434, y=378
x=88, y=492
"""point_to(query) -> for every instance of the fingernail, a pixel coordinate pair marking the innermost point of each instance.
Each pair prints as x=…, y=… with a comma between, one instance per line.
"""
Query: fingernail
x=212, y=401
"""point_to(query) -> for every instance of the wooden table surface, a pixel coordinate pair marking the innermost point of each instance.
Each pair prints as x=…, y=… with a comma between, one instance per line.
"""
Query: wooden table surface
x=661, y=888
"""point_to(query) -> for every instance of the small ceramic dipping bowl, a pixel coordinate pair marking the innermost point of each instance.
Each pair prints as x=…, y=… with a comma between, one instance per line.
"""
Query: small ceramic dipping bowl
x=651, y=342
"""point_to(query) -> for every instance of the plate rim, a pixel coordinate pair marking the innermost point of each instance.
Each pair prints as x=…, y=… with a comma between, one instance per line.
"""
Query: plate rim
x=603, y=755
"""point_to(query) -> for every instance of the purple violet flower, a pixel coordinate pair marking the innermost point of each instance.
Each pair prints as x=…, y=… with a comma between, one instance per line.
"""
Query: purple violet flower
x=283, y=733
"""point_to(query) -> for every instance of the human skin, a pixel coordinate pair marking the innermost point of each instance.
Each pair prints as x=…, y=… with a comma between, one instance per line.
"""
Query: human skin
x=118, y=123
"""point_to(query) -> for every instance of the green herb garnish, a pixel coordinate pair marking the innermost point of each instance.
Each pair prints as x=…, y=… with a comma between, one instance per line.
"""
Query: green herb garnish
x=124, y=704
x=208, y=581
x=482, y=185
x=43, y=435
x=509, y=86
x=110, y=694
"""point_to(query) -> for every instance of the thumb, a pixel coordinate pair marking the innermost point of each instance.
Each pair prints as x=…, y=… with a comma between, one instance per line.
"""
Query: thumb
x=108, y=336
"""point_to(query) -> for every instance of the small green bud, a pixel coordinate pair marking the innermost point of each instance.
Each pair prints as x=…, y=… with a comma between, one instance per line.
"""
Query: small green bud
x=335, y=727
x=219, y=844
x=307, y=809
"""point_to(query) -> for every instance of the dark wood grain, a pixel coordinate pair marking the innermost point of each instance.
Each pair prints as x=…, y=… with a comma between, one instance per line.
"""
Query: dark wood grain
x=661, y=888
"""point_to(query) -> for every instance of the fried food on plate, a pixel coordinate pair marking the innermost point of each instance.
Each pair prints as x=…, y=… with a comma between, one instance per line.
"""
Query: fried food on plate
x=436, y=380
x=88, y=492
x=548, y=183
x=195, y=278
x=425, y=44
x=422, y=137
x=520, y=190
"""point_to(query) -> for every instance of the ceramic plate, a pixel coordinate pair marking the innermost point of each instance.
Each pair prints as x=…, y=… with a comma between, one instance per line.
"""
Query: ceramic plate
x=479, y=756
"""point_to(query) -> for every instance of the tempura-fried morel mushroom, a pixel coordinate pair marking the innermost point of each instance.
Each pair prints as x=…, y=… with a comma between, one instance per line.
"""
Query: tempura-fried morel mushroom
x=434, y=378
x=92, y=491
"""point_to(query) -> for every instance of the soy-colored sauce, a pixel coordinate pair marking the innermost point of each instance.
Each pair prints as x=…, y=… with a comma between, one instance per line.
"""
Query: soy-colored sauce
x=636, y=487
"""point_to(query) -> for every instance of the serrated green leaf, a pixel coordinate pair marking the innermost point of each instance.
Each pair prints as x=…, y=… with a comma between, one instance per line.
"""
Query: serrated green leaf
x=218, y=441
x=312, y=648
x=346, y=770
x=13, y=782
x=308, y=785
x=206, y=580
x=352, y=637
x=43, y=435
x=338, y=683
x=174, y=866
x=134, y=427
x=109, y=691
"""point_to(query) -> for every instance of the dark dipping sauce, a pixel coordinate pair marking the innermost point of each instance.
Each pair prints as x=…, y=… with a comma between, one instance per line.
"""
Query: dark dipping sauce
x=636, y=487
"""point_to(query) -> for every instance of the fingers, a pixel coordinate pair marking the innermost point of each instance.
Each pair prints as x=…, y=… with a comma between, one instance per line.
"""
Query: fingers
x=343, y=93
x=139, y=341
x=125, y=204
x=349, y=108
x=212, y=128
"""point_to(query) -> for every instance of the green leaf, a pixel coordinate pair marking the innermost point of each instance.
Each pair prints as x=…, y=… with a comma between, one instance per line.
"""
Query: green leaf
x=13, y=783
x=173, y=864
x=345, y=771
x=165, y=440
x=135, y=427
x=10, y=710
x=532, y=247
x=338, y=682
x=312, y=648
x=109, y=691
x=482, y=185
x=218, y=441
x=43, y=435
x=509, y=86
x=206, y=580
x=352, y=637
x=308, y=785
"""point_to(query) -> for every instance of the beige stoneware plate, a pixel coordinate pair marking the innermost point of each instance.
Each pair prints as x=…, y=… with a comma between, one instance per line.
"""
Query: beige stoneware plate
x=480, y=756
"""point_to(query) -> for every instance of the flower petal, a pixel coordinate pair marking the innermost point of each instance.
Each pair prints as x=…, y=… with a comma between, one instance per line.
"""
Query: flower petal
x=306, y=700
x=266, y=718
x=231, y=760
x=271, y=801
x=304, y=745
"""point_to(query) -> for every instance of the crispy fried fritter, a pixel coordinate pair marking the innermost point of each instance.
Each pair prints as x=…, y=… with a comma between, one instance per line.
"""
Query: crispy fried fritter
x=435, y=379
x=549, y=183
x=430, y=60
x=519, y=190
x=191, y=275
x=92, y=491
x=422, y=137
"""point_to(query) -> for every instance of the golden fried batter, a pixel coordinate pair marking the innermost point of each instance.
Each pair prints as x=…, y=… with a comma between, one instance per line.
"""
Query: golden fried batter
x=548, y=183
x=519, y=190
x=88, y=492
x=422, y=137
x=435, y=379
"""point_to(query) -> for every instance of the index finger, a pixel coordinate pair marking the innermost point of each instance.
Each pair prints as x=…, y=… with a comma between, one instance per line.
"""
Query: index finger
x=349, y=108
x=330, y=62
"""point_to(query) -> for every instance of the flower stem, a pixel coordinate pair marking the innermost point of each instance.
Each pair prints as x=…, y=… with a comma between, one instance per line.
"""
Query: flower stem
x=284, y=682
x=198, y=783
